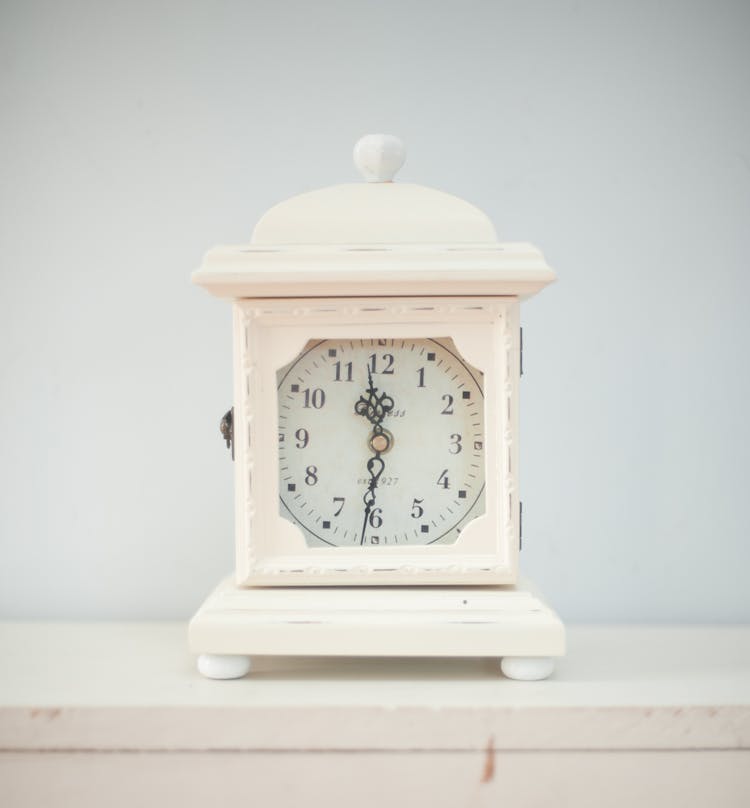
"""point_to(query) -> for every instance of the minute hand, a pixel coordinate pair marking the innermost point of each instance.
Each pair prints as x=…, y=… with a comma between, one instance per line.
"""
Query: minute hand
x=374, y=407
x=375, y=466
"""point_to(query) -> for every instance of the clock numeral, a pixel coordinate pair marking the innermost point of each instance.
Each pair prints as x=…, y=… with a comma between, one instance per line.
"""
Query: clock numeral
x=387, y=364
x=347, y=374
x=455, y=446
x=342, y=500
x=376, y=520
x=448, y=409
x=420, y=373
x=311, y=475
x=416, y=508
x=314, y=398
x=303, y=438
x=443, y=481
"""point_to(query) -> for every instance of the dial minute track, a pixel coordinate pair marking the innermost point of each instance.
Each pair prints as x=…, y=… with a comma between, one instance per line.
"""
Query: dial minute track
x=327, y=426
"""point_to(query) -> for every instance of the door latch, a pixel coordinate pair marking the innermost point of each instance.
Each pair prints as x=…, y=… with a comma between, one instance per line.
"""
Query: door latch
x=226, y=427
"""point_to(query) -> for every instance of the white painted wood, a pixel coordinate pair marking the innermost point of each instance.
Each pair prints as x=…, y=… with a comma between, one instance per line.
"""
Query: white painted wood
x=223, y=666
x=371, y=214
x=351, y=270
x=379, y=157
x=270, y=550
x=527, y=669
x=133, y=686
x=701, y=779
x=395, y=621
x=374, y=238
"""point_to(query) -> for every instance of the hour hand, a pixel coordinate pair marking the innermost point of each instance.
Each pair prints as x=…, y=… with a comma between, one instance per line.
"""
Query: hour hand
x=372, y=406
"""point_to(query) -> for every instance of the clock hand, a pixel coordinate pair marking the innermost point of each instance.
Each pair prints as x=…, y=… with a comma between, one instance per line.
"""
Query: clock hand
x=374, y=408
x=369, y=498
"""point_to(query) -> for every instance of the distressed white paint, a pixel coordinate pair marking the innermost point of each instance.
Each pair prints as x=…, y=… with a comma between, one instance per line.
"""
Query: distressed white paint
x=373, y=238
x=351, y=269
x=481, y=779
x=397, y=621
x=268, y=334
x=133, y=686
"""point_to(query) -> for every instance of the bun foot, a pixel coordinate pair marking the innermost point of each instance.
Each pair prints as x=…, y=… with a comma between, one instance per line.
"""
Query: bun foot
x=223, y=666
x=527, y=669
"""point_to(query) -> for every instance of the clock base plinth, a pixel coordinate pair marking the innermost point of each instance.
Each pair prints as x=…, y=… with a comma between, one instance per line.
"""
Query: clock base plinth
x=511, y=622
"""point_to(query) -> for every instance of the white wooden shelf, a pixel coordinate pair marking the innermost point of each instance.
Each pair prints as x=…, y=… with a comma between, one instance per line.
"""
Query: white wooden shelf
x=632, y=715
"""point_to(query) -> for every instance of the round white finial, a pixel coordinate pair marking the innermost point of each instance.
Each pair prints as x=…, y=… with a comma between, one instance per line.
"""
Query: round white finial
x=379, y=157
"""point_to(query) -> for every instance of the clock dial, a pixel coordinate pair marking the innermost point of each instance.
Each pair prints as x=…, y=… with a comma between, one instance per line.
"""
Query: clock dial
x=381, y=442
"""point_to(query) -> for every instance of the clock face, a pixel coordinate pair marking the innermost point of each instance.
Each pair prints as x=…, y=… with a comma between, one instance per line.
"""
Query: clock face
x=381, y=442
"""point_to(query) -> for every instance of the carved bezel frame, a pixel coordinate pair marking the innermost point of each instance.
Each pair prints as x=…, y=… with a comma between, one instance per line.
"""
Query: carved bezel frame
x=268, y=333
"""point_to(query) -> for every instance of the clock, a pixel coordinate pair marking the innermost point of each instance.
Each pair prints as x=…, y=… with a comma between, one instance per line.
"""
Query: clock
x=374, y=431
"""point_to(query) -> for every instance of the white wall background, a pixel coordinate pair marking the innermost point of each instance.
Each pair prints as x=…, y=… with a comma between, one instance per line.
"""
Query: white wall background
x=615, y=135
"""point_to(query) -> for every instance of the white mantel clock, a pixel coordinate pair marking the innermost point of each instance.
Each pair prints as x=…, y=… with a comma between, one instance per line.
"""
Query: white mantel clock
x=375, y=432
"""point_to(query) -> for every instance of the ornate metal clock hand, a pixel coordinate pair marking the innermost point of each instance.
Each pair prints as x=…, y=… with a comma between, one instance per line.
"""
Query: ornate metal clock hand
x=374, y=407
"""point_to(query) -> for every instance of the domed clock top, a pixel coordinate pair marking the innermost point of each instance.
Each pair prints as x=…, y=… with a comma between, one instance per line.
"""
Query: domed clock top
x=372, y=237
x=376, y=212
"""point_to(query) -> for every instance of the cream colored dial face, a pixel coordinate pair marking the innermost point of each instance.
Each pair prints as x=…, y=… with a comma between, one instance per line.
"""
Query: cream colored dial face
x=381, y=442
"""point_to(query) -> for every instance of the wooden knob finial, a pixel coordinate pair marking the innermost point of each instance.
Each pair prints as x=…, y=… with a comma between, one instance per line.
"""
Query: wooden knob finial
x=379, y=157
